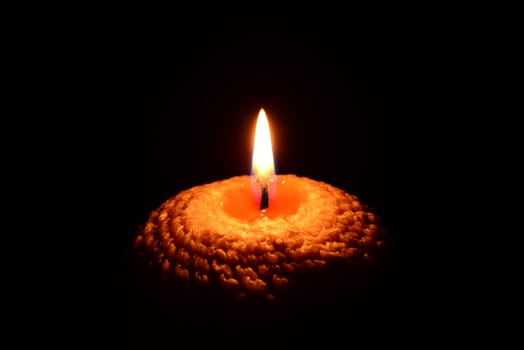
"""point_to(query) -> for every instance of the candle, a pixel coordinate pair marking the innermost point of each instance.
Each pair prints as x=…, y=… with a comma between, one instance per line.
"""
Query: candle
x=259, y=236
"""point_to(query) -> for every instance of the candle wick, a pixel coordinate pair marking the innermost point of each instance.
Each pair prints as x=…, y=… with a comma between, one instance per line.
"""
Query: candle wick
x=264, y=201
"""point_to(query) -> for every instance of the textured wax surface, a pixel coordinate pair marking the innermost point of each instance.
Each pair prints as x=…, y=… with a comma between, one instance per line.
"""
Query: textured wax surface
x=193, y=240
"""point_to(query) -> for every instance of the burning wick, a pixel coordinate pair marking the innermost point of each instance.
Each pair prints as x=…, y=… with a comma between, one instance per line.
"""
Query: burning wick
x=263, y=166
x=264, y=186
x=264, y=201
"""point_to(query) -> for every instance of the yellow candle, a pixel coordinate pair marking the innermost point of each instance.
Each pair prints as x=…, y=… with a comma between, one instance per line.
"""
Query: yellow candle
x=217, y=235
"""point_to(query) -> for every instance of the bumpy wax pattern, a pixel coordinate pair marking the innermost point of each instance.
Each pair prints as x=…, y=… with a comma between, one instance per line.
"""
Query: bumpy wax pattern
x=191, y=238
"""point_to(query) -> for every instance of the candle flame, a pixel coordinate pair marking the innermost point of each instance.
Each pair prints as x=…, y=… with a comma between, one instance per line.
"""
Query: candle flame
x=263, y=166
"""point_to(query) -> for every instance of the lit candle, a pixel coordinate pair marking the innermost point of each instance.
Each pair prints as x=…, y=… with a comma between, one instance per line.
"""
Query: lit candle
x=259, y=235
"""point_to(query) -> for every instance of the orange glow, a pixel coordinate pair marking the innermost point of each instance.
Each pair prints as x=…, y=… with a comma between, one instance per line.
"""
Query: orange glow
x=239, y=204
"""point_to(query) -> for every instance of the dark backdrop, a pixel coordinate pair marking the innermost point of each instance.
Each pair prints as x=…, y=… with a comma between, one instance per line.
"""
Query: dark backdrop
x=338, y=96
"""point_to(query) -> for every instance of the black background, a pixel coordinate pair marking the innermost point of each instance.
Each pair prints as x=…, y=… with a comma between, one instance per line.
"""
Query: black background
x=339, y=93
